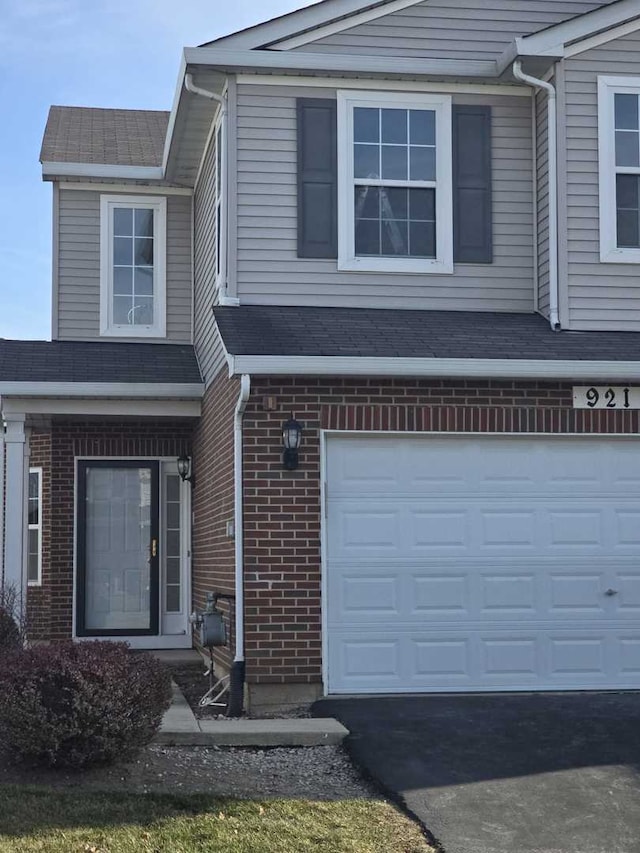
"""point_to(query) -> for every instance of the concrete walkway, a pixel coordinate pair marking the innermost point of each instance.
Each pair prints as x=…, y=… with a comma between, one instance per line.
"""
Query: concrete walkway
x=181, y=728
x=543, y=773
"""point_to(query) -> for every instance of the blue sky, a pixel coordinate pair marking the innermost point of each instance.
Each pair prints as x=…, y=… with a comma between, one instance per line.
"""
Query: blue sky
x=95, y=53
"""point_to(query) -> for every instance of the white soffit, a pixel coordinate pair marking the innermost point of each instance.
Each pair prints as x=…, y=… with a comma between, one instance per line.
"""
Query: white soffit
x=101, y=170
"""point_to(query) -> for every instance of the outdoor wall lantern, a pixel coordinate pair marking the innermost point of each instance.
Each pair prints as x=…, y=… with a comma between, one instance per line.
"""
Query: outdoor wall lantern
x=291, y=438
x=184, y=469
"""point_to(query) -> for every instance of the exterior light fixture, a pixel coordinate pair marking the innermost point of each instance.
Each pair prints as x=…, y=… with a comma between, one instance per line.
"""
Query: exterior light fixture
x=184, y=470
x=291, y=439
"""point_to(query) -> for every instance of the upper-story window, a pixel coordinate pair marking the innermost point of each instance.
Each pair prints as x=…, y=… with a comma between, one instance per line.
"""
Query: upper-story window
x=395, y=182
x=619, y=153
x=132, y=261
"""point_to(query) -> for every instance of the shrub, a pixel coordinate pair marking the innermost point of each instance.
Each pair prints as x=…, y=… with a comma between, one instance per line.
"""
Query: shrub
x=74, y=705
x=12, y=622
x=9, y=632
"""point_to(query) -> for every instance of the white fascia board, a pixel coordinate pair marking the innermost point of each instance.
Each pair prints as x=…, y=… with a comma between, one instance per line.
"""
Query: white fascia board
x=549, y=41
x=101, y=170
x=97, y=390
x=138, y=189
x=174, y=113
x=266, y=60
x=294, y=23
x=124, y=408
x=342, y=24
x=458, y=368
x=581, y=46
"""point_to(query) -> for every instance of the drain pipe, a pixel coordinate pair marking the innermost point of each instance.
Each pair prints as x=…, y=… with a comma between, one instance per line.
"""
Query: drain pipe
x=552, y=146
x=190, y=86
x=236, y=679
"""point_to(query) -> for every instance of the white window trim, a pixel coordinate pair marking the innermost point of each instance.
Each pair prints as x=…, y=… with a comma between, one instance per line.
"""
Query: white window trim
x=607, y=88
x=220, y=201
x=159, y=206
x=37, y=527
x=347, y=260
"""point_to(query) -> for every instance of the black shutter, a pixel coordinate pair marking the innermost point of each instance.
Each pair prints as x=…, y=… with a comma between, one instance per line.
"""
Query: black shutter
x=472, y=213
x=317, y=178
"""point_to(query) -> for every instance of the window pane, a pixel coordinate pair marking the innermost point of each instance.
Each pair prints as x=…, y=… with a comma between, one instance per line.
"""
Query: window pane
x=367, y=237
x=123, y=280
x=173, y=599
x=394, y=126
x=32, y=564
x=626, y=108
x=394, y=163
x=173, y=570
x=423, y=164
x=395, y=237
x=366, y=161
x=144, y=281
x=367, y=203
x=627, y=148
x=122, y=221
x=173, y=487
x=366, y=125
x=144, y=252
x=395, y=202
x=34, y=485
x=144, y=223
x=173, y=516
x=143, y=311
x=34, y=511
x=123, y=251
x=422, y=239
x=422, y=124
x=628, y=210
x=122, y=310
x=422, y=205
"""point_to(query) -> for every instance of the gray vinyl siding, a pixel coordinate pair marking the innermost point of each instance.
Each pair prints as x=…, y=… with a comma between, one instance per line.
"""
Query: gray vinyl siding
x=542, y=183
x=78, y=265
x=269, y=271
x=601, y=296
x=207, y=341
x=474, y=29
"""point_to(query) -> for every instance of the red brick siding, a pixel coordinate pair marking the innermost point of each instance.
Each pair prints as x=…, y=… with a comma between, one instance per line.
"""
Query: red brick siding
x=282, y=509
x=213, y=563
x=69, y=440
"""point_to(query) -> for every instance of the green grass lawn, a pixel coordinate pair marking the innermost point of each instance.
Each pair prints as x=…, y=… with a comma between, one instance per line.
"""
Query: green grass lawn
x=46, y=821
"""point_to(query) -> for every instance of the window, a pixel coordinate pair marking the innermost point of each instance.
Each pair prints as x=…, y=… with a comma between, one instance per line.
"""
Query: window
x=34, y=550
x=132, y=261
x=220, y=203
x=619, y=156
x=395, y=182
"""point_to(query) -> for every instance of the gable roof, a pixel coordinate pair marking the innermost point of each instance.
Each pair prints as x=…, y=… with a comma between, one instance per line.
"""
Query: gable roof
x=103, y=136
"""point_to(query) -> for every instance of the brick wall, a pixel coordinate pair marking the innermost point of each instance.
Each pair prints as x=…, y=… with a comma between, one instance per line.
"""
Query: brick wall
x=213, y=563
x=69, y=440
x=282, y=509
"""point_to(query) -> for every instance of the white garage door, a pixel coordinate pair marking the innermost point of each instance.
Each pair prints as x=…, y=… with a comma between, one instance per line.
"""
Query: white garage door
x=459, y=563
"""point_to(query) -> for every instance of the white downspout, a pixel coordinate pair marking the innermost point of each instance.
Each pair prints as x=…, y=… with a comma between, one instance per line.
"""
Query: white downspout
x=552, y=145
x=190, y=86
x=243, y=398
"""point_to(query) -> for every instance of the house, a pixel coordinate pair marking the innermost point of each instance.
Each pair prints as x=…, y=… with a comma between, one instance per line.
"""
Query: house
x=411, y=237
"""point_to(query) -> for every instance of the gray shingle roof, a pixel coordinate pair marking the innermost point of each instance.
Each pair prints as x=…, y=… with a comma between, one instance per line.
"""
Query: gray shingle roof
x=110, y=137
x=268, y=330
x=75, y=361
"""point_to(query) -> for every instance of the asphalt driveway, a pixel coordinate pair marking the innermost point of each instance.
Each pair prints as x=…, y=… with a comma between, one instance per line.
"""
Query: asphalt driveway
x=520, y=773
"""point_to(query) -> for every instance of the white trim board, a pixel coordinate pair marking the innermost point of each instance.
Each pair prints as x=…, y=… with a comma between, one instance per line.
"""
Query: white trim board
x=342, y=24
x=98, y=390
x=385, y=85
x=606, y=371
x=244, y=60
x=125, y=408
x=598, y=40
x=137, y=189
x=101, y=170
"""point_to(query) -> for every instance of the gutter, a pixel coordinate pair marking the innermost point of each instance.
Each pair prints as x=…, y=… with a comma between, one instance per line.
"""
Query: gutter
x=432, y=368
x=552, y=146
x=236, y=680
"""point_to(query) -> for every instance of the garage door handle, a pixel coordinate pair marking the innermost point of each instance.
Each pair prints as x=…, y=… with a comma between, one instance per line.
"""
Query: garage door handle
x=611, y=592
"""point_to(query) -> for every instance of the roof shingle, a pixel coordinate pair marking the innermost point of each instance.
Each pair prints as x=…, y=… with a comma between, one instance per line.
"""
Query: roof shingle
x=368, y=332
x=102, y=361
x=109, y=137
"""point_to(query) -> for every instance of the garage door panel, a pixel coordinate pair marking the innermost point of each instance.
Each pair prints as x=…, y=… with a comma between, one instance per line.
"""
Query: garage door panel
x=470, y=563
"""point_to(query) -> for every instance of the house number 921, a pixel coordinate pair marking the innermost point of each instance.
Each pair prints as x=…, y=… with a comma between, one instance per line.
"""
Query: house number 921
x=606, y=397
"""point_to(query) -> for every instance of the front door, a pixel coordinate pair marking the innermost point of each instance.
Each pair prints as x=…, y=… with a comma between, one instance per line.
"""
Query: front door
x=118, y=548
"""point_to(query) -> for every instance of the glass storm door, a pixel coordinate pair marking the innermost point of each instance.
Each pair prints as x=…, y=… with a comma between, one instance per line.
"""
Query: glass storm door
x=118, y=557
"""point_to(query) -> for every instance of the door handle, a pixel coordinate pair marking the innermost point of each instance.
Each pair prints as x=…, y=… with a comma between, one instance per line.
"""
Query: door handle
x=154, y=547
x=611, y=592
